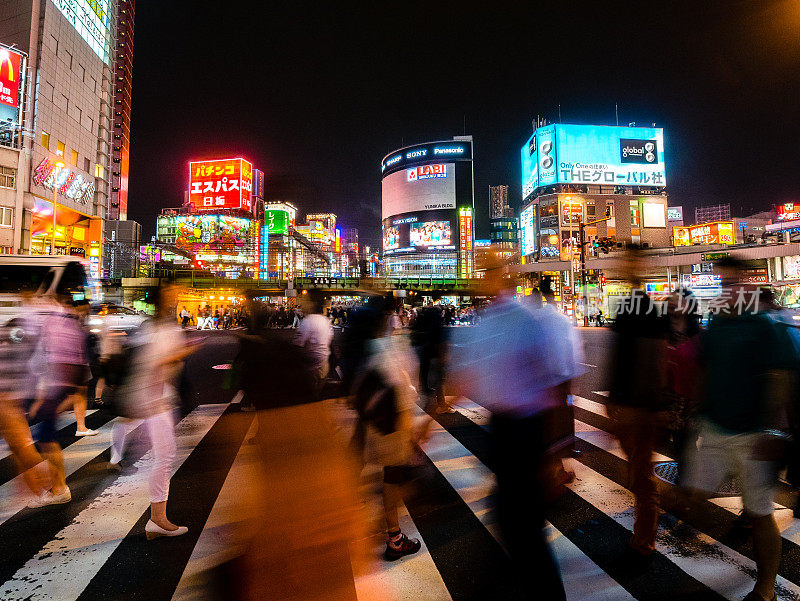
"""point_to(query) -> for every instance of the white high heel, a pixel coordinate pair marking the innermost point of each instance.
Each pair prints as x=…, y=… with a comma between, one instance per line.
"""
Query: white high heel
x=153, y=530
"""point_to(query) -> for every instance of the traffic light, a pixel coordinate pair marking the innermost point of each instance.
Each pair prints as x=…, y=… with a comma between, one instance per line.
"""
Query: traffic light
x=608, y=211
x=606, y=244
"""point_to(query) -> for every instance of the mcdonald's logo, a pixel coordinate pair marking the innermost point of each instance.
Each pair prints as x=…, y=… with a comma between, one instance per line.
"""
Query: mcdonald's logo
x=9, y=77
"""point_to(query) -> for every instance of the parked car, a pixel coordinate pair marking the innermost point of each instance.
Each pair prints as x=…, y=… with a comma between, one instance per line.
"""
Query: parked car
x=115, y=317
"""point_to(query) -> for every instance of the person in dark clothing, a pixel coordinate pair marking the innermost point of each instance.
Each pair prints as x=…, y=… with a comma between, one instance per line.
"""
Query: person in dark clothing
x=637, y=402
x=750, y=365
x=428, y=337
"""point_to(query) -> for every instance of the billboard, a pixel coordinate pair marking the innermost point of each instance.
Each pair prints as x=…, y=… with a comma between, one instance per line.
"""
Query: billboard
x=92, y=21
x=391, y=237
x=12, y=72
x=788, y=211
x=430, y=233
x=674, y=213
x=421, y=188
x=593, y=154
x=217, y=237
x=716, y=232
x=258, y=184
x=68, y=182
x=466, y=258
x=221, y=184
x=277, y=222
x=527, y=231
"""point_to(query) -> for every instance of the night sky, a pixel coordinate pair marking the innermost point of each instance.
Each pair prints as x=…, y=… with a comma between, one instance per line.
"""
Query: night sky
x=315, y=94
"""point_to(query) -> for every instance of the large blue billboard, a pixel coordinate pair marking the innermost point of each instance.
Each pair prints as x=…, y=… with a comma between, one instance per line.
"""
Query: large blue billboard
x=593, y=154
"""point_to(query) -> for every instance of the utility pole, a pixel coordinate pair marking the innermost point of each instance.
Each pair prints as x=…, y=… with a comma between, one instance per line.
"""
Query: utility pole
x=583, y=264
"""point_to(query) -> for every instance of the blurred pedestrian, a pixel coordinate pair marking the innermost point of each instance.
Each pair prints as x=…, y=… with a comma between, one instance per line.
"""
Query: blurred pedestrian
x=683, y=377
x=305, y=544
x=638, y=402
x=750, y=368
x=80, y=400
x=62, y=352
x=148, y=396
x=518, y=362
x=428, y=337
x=384, y=401
x=15, y=376
x=315, y=335
x=186, y=317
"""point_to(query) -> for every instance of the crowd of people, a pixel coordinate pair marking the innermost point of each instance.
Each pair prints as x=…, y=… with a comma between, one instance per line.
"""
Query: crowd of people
x=50, y=362
x=213, y=319
x=725, y=397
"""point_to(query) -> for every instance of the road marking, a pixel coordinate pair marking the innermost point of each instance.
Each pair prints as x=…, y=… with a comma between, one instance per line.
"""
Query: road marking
x=588, y=365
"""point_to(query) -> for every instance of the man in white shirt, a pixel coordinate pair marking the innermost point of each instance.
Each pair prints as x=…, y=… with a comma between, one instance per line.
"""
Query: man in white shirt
x=315, y=335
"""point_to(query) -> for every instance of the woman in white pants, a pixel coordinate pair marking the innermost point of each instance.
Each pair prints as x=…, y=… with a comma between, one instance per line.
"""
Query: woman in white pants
x=150, y=396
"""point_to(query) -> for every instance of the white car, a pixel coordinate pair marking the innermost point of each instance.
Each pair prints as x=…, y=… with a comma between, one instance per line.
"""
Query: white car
x=108, y=316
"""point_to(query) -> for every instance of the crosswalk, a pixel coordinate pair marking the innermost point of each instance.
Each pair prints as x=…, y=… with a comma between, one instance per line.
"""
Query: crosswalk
x=94, y=547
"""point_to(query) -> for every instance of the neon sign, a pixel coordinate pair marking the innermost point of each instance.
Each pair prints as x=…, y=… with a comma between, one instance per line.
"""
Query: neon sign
x=68, y=183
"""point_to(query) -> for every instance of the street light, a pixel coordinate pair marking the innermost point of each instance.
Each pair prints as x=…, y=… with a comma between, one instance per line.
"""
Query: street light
x=59, y=167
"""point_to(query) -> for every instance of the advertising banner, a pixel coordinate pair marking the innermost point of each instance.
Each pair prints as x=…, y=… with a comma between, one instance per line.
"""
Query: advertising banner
x=277, y=222
x=466, y=266
x=717, y=232
x=217, y=237
x=221, y=184
x=623, y=156
x=422, y=188
x=593, y=154
x=527, y=231
x=788, y=211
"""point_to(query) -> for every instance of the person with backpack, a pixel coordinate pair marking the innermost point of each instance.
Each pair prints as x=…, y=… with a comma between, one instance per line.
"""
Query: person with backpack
x=145, y=393
x=384, y=401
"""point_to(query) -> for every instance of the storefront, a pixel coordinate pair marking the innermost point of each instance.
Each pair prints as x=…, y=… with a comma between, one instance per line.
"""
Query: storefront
x=76, y=234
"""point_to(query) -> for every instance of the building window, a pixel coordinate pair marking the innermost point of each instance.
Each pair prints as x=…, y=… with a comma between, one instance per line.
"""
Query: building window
x=6, y=217
x=634, y=213
x=60, y=149
x=68, y=59
x=75, y=157
x=99, y=171
x=86, y=164
x=8, y=177
x=46, y=140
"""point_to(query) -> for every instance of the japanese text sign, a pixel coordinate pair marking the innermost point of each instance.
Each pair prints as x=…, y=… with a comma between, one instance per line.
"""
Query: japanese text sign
x=221, y=184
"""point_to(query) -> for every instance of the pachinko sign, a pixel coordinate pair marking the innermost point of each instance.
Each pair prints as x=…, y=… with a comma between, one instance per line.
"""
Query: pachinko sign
x=221, y=184
x=69, y=184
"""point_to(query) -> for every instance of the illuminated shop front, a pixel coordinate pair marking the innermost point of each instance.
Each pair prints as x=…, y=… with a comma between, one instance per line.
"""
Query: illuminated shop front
x=76, y=233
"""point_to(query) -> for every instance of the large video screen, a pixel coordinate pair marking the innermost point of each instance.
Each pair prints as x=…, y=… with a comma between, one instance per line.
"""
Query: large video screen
x=593, y=154
x=430, y=233
x=419, y=188
x=425, y=231
x=391, y=237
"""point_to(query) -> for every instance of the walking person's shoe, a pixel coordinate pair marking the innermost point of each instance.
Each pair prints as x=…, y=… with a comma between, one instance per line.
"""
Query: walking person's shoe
x=86, y=432
x=399, y=545
x=153, y=530
x=48, y=498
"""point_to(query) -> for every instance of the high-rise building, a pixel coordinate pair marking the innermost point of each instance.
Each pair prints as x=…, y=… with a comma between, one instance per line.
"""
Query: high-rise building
x=67, y=94
x=427, y=209
x=498, y=202
x=121, y=134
